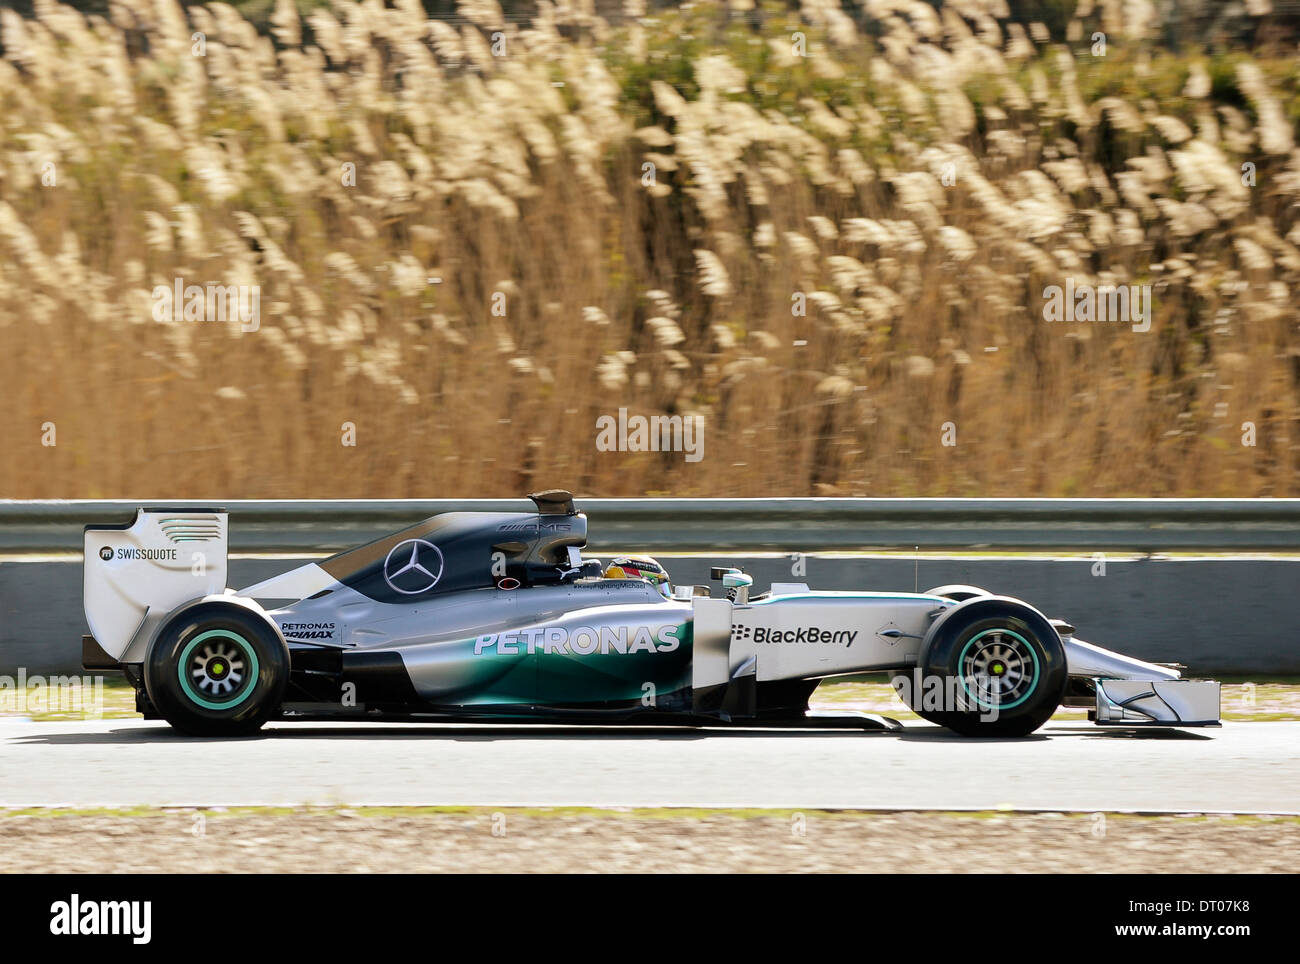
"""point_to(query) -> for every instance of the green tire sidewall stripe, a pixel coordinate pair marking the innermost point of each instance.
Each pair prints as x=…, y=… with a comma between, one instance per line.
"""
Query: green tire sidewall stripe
x=243, y=644
x=961, y=661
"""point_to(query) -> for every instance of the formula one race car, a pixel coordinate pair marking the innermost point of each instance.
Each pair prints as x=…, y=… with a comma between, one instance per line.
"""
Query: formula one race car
x=489, y=616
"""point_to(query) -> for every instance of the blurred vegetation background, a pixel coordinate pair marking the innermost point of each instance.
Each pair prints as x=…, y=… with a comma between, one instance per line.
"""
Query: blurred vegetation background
x=469, y=254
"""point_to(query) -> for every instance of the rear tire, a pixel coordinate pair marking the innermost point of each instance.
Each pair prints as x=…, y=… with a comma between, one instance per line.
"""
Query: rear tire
x=217, y=670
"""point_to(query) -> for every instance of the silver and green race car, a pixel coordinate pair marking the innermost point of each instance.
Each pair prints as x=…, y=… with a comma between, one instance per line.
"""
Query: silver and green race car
x=490, y=617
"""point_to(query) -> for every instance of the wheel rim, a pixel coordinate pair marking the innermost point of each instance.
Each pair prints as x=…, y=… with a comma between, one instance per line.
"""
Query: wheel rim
x=999, y=669
x=218, y=669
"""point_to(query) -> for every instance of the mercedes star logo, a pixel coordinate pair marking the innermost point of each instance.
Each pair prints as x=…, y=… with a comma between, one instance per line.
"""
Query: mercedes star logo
x=413, y=566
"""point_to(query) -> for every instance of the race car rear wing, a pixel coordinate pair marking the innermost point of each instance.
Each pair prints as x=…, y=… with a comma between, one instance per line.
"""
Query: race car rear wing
x=134, y=574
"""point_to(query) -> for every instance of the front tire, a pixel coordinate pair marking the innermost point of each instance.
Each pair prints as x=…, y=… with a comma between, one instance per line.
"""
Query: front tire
x=1002, y=661
x=217, y=670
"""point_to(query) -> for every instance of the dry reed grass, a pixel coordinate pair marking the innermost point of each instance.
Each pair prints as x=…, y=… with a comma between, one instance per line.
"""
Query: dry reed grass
x=522, y=177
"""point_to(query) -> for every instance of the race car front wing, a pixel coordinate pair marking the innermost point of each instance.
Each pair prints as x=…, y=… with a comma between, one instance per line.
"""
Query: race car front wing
x=1136, y=702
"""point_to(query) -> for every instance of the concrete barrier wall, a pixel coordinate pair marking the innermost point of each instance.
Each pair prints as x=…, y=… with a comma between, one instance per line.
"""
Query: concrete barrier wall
x=1218, y=615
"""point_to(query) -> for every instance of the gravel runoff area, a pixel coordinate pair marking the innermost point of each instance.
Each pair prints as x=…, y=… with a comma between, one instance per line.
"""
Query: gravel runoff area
x=482, y=840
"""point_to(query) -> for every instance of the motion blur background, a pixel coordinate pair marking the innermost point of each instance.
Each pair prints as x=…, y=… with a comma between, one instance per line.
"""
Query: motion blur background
x=465, y=256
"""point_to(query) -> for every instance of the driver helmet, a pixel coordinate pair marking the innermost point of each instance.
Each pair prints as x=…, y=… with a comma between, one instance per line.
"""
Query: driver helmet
x=640, y=567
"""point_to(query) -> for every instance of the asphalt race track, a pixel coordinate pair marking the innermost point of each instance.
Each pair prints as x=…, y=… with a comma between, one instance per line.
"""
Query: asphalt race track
x=1248, y=767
